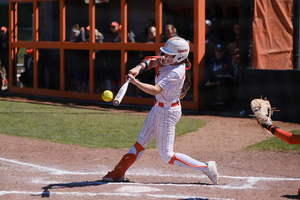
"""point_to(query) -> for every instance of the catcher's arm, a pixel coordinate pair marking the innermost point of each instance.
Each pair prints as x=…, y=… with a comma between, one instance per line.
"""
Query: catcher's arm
x=262, y=111
x=284, y=135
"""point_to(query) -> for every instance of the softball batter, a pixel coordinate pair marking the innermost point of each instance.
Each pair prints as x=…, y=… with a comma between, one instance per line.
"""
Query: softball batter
x=171, y=84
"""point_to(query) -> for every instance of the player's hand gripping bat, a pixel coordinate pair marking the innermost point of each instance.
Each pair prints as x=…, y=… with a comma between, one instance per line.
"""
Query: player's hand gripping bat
x=121, y=93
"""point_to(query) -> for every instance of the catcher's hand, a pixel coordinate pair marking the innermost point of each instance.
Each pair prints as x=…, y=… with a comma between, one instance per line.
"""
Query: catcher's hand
x=262, y=110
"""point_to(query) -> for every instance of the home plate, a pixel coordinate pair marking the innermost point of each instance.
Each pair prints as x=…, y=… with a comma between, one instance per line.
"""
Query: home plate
x=137, y=189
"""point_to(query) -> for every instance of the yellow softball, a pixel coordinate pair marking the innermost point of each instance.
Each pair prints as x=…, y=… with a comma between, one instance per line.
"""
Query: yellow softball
x=107, y=95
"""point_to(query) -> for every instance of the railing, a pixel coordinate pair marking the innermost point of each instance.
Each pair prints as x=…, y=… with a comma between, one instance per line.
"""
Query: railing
x=62, y=46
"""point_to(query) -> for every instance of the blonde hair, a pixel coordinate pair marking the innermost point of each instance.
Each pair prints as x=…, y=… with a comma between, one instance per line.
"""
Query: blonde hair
x=187, y=82
x=174, y=30
x=152, y=28
x=75, y=27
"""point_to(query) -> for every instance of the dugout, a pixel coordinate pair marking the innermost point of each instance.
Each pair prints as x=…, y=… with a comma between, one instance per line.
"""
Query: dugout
x=45, y=26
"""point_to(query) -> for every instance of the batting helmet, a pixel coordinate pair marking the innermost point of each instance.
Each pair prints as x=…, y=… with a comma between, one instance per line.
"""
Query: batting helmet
x=177, y=47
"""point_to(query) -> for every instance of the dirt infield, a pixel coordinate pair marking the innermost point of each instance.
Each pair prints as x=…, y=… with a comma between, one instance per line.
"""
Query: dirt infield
x=32, y=169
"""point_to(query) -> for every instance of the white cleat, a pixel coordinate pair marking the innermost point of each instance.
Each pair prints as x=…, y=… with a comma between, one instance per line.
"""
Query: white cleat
x=211, y=172
x=111, y=177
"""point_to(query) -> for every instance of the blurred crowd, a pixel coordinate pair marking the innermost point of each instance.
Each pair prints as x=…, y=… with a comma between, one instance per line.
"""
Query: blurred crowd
x=107, y=63
x=220, y=87
x=222, y=46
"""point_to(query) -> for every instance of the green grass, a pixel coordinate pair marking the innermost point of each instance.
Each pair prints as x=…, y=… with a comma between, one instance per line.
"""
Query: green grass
x=78, y=126
x=275, y=143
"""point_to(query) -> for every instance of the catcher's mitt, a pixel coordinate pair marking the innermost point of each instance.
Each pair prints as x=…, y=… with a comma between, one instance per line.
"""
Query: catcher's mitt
x=262, y=110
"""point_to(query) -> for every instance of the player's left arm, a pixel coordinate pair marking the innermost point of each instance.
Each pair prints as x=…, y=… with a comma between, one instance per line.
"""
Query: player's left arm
x=148, y=88
x=136, y=70
x=148, y=63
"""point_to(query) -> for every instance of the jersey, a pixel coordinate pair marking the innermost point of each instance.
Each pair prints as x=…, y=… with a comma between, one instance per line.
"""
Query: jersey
x=171, y=79
x=160, y=122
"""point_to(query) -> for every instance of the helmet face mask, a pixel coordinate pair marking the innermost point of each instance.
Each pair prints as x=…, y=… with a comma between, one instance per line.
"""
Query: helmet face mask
x=165, y=59
x=176, y=47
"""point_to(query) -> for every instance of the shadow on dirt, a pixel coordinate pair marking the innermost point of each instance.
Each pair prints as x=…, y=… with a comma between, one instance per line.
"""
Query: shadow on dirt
x=46, y=192
x=291, y=196
x=74, y=184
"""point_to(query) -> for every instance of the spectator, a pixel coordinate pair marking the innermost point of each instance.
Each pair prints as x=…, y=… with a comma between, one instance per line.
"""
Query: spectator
x=77, y=61
x=170, y=31
x=235, y=41
x=145, y=32
x=237, y=35
x=98, y=36
x=213, y=15
x=227, y=22
x=26, y=77
x=4, y=50
x=229, y=86
x=113, y=35
x=216, y=66
x=77, y=35
x=211, y=41
x=151, y=34
x=130, y=35
x=233, y=67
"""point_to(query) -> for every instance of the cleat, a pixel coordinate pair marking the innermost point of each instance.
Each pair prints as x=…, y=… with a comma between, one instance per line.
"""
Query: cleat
x=111, y=177
x=211, y=172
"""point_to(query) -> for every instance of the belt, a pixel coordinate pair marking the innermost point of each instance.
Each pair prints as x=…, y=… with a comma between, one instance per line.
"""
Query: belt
x=166, y=105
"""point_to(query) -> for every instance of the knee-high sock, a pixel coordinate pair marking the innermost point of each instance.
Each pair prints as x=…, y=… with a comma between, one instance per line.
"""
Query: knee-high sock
x=285, y=136
x=128, y=159
x=183, y=160
x=137, y=149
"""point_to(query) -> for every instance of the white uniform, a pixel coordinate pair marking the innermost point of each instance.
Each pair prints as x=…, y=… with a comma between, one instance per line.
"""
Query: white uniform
x=164, y=115
x=160, y=122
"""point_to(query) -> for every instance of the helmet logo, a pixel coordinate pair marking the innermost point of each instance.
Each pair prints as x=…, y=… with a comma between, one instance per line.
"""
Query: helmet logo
x=182, y=51
x=176, y=45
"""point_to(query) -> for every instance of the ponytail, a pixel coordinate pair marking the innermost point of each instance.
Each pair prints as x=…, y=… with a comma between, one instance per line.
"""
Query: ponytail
x=187, y=81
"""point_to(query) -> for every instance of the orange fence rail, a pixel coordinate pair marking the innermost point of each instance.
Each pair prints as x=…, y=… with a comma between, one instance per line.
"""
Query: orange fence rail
x=197, y=48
